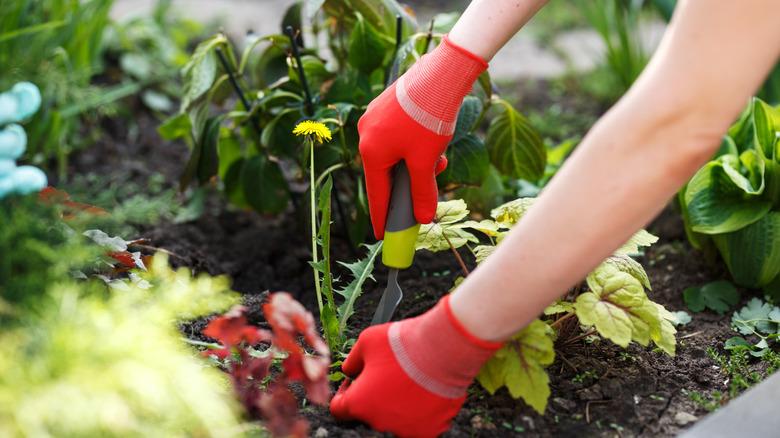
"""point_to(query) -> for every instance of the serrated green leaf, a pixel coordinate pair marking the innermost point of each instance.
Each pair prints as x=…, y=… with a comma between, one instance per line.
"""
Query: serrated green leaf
x=361, y=271
x=559, y=306
x=482, y=252
x=641, y=239
x=507, y=215
x=766, y=122
x=754, y=318
x=434, y=236
x=717, y=295
x=520, y=366
x=515, y=148
x=626, y=264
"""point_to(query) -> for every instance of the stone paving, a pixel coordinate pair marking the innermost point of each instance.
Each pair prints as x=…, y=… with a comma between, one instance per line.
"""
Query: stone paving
x=524, y=56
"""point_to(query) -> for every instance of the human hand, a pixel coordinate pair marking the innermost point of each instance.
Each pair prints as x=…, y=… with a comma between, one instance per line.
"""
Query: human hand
x=414, y=120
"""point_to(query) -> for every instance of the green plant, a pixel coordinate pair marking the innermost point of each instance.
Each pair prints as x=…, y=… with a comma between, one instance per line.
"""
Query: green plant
x=617, y=23
x=279, y=82
x=611, y=304
x=734, y=200
x=719, y=296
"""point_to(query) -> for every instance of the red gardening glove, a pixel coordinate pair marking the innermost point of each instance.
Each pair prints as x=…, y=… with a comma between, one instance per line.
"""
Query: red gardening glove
x=410, y=377
x=414, y=120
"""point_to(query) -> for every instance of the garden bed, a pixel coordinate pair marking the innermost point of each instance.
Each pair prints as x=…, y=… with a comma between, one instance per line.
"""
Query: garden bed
x=599, y=390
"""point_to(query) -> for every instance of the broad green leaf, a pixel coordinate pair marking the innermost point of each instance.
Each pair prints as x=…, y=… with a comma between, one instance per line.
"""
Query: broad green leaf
x=175, y=127
x=520, y=366
x=228, y=150
x=208, y=162
x=722, y=198
x=766, y=123
x=515, y=148
x=752, y=253
x=719, y=296
x=557, y=154
x=367, y=47
x=626, y=264
x=641, y=239
x=468, y=162
x=487, y=195
x=232, y=181
x=755, y=318
x=381, y=14
x=616, y=306
x=201, y=71
x=467, y=116
x=264, y=186
x=361, y=271
x=507, y=215
x=313, y=68
x=485, y=226
x=486, y=84
x=662, y=330
x=681, y=318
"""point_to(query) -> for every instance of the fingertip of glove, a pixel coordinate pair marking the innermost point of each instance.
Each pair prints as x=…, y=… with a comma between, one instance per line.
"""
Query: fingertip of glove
x=338, y=404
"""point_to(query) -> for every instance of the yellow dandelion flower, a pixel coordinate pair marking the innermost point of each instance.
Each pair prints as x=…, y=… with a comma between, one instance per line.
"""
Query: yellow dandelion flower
x=315, y=130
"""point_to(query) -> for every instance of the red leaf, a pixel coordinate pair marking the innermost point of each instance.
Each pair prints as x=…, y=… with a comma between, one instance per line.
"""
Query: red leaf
x=123, y=257
x=52, y=196
x=280, y=411
x=221, y=354
x=232, y=329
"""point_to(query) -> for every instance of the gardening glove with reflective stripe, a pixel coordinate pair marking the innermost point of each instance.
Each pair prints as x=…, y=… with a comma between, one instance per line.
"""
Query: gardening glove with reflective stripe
x=414, y=120
x=410, y=377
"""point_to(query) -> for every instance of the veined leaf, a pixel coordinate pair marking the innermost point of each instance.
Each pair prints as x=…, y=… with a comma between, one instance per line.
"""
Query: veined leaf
x=468, y=162
x=559, y=306
x=520, y=366
x=200, y=71
x=482, y=252
x=640, y=239
x=756, y=317
x=719, y=296
x=619, y=309
x=722, y=197
x=367, y=47
x=467, y=116
x=515, y=148
x=766, y=124
x=361, y=271
x=263, y=184
x=626, y=264
x=508, y=214
x=434, y=236
x=752, y=253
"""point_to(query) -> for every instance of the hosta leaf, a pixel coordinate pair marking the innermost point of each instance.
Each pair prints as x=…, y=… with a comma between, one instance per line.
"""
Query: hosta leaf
x=720, y=198
x=361, y=271
x=755, y=318
x=766, y=122
x=508, y=214
x=641, y=239
x=468, y=162
x=515, y=148
x=752, y=253
x=626, y=264
x=719, y=296
x=519, y=366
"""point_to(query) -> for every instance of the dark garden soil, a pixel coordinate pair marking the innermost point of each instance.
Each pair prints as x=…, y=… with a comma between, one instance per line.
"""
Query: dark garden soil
x=598, y=389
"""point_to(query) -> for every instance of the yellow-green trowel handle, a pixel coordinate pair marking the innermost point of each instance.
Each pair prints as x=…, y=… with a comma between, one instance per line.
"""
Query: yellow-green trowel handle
x=401, y=228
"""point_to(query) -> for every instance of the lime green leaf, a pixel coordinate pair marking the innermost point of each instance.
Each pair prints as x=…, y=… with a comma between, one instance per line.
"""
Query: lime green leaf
x=175, y=127
x=485, y=226
x=719, y=296
x=482, y=252
x=616, y=306
x=630, y=266
x=519, y=366
x=766, y=123
x=641, y=239
x=201, y=71
x=468, y=162
x=752, y=253
x=515, y=148
x=722, y=197
x=559, y=306
x=508, y=214
x=434, y=236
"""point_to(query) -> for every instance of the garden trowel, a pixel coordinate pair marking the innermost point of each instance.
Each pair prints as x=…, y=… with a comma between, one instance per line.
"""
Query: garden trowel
x=400, y=236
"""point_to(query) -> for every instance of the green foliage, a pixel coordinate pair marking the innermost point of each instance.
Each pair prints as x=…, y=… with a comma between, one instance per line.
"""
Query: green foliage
x=734, y=200
x=361, y=37
x=615, y=306
x=719, y=296
x=617, y=21
x=741, y=373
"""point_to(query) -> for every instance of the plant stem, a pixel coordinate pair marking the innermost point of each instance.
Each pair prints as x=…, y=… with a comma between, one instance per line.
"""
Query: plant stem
x=237, y=87
x=314, y=257
x=457, y=256
x=429, y=37
x=560, y=320
x=301, y=74
x=582, y=336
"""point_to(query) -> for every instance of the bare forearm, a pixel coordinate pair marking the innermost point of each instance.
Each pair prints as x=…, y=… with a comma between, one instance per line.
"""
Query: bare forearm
x=629, y=165
x=487, y=25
